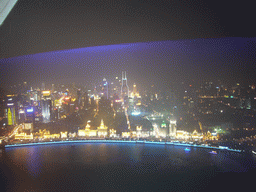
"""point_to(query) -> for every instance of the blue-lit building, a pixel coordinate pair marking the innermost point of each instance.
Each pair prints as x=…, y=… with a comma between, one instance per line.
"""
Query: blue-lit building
x=46, y=105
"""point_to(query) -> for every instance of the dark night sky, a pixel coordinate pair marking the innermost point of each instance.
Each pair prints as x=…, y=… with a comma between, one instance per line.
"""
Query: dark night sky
x=194, y=40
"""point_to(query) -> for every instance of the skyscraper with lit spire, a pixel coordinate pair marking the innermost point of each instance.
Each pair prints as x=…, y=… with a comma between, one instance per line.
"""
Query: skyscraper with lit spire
x=124, y=87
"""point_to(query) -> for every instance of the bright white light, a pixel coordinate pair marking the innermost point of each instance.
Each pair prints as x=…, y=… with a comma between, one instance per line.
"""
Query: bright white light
x=9, y=104
x=30, y=110
x=135, y=113
x=5, y=8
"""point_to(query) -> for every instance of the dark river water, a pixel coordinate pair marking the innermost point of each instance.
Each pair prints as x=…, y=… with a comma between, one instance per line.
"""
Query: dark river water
x=123, y=167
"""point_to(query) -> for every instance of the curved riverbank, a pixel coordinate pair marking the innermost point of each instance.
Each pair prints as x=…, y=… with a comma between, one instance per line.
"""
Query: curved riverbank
x=122, y=141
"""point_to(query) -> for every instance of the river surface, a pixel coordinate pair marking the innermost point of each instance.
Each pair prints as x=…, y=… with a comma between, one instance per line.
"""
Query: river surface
x=123, y=167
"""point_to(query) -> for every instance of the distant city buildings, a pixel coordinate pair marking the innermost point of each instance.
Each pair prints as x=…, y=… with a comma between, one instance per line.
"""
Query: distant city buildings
x=187, y=111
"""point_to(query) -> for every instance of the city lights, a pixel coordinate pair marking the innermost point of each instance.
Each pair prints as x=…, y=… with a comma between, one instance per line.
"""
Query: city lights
x=30, y=110
x=128, y=113
x=128, y=96
x=135, y=113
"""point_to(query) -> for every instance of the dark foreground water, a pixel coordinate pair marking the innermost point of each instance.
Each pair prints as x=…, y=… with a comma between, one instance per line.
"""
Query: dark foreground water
x=123, y=167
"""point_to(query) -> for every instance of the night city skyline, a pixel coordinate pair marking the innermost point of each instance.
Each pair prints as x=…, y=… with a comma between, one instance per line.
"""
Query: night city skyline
x=127, y=95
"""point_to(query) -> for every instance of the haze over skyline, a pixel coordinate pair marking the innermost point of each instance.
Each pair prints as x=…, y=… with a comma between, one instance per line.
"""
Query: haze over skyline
x=154, y=41
x=161, y=62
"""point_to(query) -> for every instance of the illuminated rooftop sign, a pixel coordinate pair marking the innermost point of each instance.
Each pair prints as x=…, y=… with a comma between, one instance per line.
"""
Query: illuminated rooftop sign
x=163, y=125
x=46, y=93
x=136, y=113
x=30, y=110
x=67, y=98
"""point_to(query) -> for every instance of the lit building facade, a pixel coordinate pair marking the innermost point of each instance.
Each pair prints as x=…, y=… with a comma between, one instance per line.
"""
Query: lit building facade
x=124, y=88
x=172, y=128
x=46, y=106
x=102, y=130
x=10, y=110
x=25, y=136
x=112, y=133
x=86, y=132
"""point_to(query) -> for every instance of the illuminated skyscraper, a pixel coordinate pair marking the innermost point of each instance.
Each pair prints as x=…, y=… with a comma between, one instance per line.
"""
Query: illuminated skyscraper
x=105, y=88
x=46, y=106
x=134, y=88
x=25, y=88
x=78, y=97
x=124, y=87
x=10, y=109
x=172, y=128
x=11, y=116
x=53, y=88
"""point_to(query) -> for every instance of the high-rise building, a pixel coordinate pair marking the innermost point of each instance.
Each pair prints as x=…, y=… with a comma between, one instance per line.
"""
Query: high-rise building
x=85, y=100
x=29, y=113
x=43, y=87
x=124, y=88
x=105, y=88
x=134, y=88
x=78, y=98
x=25, y=88
x=10, y=110
x=115, y=87
x=53, y=88
x=172, y=128
x=46, y=106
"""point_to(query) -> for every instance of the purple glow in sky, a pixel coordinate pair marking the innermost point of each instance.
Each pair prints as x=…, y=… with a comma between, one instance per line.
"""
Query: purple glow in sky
x=160, y=62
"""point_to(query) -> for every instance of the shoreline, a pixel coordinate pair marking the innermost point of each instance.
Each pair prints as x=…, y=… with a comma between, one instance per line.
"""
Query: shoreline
x=122, y=141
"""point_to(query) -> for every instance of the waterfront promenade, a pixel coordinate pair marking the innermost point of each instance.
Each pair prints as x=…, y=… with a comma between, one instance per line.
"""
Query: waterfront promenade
x=123, y=141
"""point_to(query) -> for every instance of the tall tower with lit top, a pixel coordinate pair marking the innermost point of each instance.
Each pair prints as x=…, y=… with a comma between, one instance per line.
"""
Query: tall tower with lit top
x=105, y=88
x=134, y=88
x=124, y=87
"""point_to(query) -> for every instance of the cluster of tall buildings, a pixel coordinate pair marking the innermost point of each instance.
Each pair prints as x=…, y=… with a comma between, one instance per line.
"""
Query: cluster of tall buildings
x=189, y=104
x=40, y=105
x=46, y=105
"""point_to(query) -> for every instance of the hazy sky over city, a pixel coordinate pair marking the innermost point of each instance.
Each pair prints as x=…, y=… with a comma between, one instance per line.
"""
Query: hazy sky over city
x=193, y=40
x=158, y=63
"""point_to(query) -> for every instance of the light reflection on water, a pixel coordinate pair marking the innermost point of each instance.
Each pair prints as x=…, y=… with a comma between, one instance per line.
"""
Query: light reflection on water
x=111, y=166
